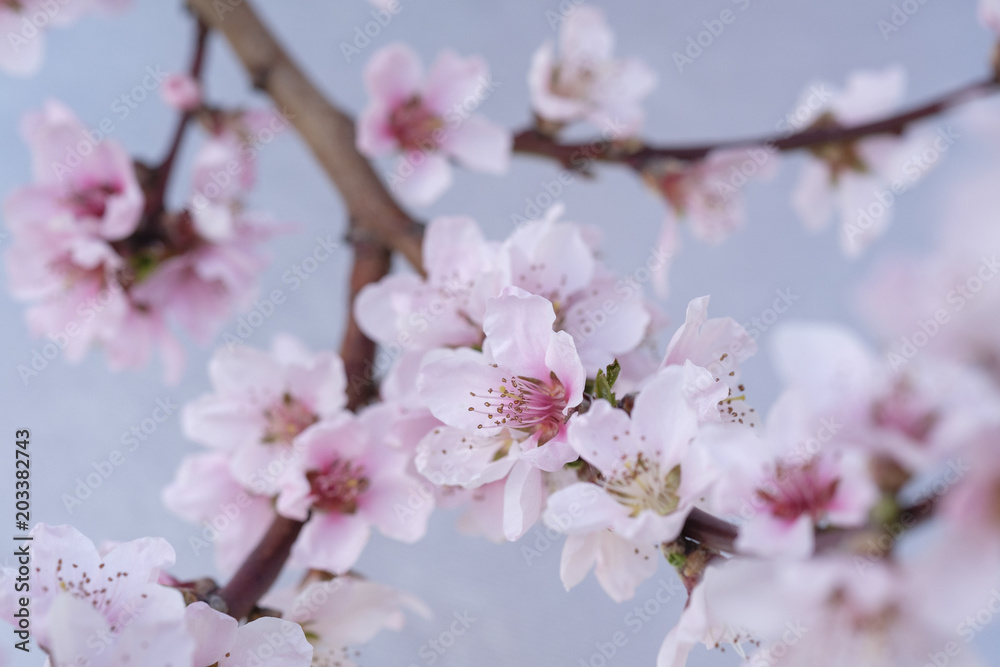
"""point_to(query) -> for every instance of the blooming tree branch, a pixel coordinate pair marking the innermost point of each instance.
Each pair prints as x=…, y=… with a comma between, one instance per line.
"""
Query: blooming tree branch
x=637, y=153
x=161, y=173
x=525, y=381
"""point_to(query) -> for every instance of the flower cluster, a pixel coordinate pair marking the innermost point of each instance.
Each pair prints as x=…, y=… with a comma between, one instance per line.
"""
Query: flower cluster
x=117, y=605
x=283, y=443
x=103, y=265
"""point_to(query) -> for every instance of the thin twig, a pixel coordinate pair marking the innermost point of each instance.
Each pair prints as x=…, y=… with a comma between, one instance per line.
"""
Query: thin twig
x=638, y=155
x=372, y=262
x=161, y=174
x=261, y=568
x=710, y=531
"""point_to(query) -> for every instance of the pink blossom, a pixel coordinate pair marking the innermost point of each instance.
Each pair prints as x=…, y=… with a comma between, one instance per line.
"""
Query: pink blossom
x=944, y=304
x=706, y=193
x=852, y=176
x=201, y=288
x=519, y=389
x=718, y=344
x=556, y=260
x=649, y=477
x=225, y=165
x=349, y=481
x=830, y=610
x=968, y=513
x=606, y=317
x=585, y=81
x=231, y=517
x=23, y=24
x=222, y=641
x=783, y=488
x=445, y=308
x=262, y=402
x=103, y=610
x=85, y=198
x=94, y=183
x=916, y=418
x=428, y=120
x=989, y=14
x=342, y=612
x=181, y=91
x=694, y=627
x=484, y=508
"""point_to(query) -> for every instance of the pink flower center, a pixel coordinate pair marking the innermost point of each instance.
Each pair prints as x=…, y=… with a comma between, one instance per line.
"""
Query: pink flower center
x=525, y=403
x=286, y=418
x=902, y=411
x=92, y=202
x=415, y=126
x=800, y=489
x=337, y=487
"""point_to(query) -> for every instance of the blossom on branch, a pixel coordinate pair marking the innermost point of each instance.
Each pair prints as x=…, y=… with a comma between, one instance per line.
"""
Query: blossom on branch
x=585, y=81
x=430, y=120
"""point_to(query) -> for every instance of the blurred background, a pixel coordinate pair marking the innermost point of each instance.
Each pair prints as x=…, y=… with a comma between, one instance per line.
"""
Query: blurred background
x=742, y=84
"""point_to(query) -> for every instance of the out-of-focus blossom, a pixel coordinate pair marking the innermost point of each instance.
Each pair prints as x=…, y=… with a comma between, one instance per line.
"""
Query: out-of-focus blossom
x=862, y=178
x=782, y=490
x=181, y=91
x=584, y=81
x=79, y=595
x=822, y=611
x=945, y=305
x=989, y=14
x=917, y=418
x=342, y=612
x=262, y=403
x=24, y=22
x=430, y=120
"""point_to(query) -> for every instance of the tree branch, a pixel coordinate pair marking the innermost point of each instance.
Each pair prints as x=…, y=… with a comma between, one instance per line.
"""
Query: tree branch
x=637, y=156
x=371, y=263
x=328, y=131
x=259, y=571
x=161, y=174
x=710, y=531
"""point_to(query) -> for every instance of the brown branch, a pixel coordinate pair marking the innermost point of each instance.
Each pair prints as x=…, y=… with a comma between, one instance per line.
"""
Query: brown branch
x=637, y=156
x=328, y=131
x=261, y=567
x=718, y=534
x=371, y=263
x=710, y=531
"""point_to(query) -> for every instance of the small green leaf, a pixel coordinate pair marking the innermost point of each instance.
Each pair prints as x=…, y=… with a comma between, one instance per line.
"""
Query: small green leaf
x=142, y=266
x=677, y=559
x=602, y=388
x=613, y=371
